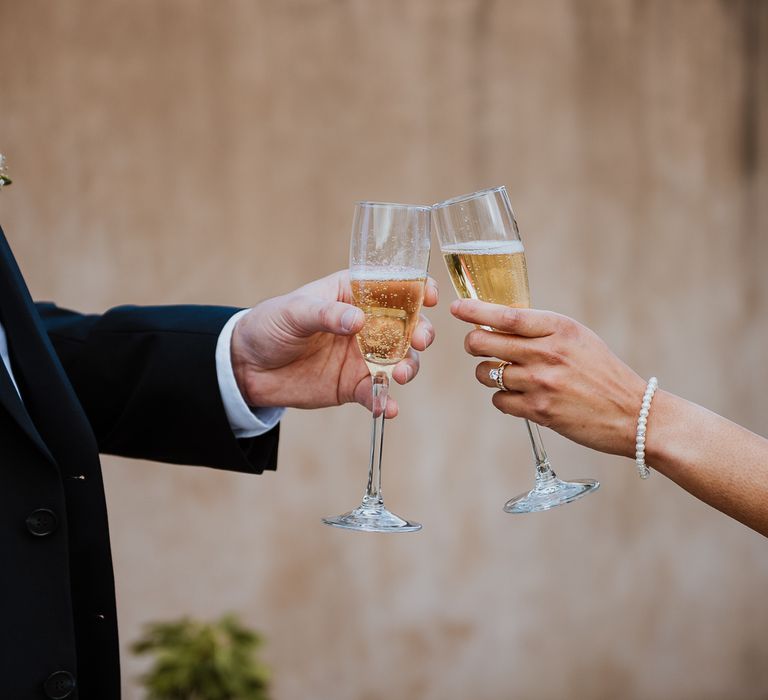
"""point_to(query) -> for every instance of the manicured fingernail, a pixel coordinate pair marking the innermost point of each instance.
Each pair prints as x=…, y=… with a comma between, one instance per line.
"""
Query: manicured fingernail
x=408, y=374
x=350, y=318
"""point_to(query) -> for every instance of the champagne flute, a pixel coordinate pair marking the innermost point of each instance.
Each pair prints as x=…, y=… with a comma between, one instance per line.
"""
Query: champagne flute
x=485, y=257
x=388, y=259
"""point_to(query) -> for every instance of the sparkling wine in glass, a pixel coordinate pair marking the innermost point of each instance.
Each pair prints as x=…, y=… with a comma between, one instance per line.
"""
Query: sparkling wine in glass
x=482, y=249
x=388, y=259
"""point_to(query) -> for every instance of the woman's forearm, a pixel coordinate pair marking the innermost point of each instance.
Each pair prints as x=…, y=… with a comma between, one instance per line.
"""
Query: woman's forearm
x=716, y=460
x=558, y=373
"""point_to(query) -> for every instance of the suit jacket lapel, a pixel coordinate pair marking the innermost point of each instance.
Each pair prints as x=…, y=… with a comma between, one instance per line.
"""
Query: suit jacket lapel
x=13, y=404
x=50, y=406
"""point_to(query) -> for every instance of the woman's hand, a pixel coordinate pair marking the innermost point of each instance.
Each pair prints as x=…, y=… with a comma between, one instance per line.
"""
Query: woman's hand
x=565, y=377
x=562, y=376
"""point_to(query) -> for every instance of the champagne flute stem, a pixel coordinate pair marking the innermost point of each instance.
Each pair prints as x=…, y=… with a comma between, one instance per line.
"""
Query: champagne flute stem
x=544, y=472
x=380, y=388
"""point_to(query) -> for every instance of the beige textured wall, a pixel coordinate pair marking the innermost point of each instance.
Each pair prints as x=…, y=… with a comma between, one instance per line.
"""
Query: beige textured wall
x=190, y=151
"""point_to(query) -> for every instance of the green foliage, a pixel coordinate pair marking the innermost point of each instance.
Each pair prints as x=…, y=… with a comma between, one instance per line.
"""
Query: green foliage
x=201, y=661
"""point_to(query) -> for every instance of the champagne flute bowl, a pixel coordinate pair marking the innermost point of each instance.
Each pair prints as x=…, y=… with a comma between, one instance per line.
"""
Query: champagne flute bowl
x=388, y=259
x=485, y=257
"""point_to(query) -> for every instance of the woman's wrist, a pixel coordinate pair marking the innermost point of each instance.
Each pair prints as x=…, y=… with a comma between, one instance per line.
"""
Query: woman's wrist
x=666, y=433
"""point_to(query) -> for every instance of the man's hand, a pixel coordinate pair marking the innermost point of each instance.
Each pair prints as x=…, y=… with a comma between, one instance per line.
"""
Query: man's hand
x=300, y=349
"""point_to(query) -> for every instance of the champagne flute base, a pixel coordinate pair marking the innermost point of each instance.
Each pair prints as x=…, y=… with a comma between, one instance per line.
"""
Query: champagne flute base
x=372, y=517
x=550, y=493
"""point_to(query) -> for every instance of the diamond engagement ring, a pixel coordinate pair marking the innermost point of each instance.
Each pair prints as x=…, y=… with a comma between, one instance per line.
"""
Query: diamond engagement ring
x=497, y=375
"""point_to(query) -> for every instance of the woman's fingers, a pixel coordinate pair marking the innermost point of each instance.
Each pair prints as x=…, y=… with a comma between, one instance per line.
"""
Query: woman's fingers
x=531, y=323
x=482, y=343
x=514, y=404
x=515, y=377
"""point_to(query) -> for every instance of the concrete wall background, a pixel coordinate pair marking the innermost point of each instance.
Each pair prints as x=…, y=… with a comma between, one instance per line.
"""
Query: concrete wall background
x=188, y=151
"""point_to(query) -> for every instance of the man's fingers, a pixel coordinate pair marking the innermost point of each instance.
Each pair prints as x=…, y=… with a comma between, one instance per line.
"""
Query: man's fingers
x=307, y=315
x=423, y=335
x=531, y=323
x=431, y=293
x=406, y=369
x=392, y=408
x=366, y=399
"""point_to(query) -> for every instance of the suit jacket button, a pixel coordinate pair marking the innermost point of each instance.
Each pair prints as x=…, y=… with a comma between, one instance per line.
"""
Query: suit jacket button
x=59, y=685
x=42, y=522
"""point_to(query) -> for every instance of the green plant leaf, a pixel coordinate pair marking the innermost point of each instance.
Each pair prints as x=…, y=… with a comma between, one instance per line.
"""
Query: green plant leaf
x=203, y=661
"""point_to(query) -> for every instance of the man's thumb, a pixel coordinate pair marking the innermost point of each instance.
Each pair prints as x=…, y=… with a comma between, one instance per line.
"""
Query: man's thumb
x=315, y=316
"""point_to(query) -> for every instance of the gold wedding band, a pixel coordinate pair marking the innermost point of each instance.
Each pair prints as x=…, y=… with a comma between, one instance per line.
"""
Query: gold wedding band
x=497, y=375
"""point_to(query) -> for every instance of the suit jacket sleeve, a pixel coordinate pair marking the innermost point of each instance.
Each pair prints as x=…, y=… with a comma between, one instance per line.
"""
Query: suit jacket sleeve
x=146, y=377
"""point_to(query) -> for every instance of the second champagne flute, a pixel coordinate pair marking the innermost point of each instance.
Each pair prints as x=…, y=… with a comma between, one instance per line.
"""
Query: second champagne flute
x=388, y=259
x=485, y=257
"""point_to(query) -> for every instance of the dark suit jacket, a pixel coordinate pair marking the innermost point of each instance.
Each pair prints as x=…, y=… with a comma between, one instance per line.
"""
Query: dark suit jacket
x=138, y=382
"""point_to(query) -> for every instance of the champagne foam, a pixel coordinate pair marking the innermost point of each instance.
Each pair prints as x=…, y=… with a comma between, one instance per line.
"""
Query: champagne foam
x=484, y=248
x=387, y=274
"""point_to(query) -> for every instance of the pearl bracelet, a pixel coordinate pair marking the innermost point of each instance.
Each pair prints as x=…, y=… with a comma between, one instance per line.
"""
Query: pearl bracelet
x=642, y=422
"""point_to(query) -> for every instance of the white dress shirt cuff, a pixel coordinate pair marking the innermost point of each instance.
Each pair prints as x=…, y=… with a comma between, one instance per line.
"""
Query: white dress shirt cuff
x=244, y=421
